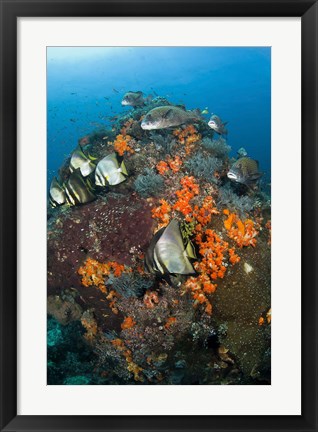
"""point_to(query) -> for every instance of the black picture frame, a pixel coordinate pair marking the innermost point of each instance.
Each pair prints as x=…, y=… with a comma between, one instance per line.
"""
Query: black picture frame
x=10, y=11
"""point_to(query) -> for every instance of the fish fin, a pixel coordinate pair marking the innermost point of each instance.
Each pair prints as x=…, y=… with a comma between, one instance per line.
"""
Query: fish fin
x=172, y=234
x=190, y=251
x=90, y=185
x=92, y=158
x=116, y=179
x=181, y=106
x=79, y=149
x=123, y=168
x=256, y=176
x=197, y=113
x=166, y=115
x=175, y=280
x=139, y=92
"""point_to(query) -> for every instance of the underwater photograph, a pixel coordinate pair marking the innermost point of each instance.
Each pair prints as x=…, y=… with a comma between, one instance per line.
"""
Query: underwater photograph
x=158, y=215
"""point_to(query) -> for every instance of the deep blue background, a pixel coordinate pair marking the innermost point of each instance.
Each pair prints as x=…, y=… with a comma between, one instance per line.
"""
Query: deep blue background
x=234, y=83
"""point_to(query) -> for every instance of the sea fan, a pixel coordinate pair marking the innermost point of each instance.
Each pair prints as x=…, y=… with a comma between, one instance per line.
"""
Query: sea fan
x=149, y=184
x=164, y=144
x=217, y=147
x=235, y=203
x=130, y=285
x=204, y=167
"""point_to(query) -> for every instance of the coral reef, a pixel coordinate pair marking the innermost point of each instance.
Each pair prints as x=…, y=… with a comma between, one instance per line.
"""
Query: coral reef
x=148, y=184
x=63, y=308
x=165, y=144
x=130, y=284
x=188, y=136
x=121, y=144
x=109, y=321
x=243, y=232
x=217, y=147
x=204, y=167
x=228, y=198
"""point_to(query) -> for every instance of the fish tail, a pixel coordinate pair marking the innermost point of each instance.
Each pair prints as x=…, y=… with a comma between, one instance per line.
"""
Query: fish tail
x=123, y=168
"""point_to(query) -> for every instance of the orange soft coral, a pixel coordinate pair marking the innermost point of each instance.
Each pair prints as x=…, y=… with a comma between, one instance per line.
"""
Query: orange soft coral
x=121, y=144
x=199, y=287
x=170, y=322
x=150, y=299
x=93, y=272
x=128, y=323
x=211, y=267
x=175, y=163
x=242, y=232
x=234, y=259
x=187, y=136
x=189, y=190
x=204, y=213
x=162, y=213
x=112, y=297
x=127, y=125
x=162, y=167
x=212, y=249
x=90, y=325
x=131, y=366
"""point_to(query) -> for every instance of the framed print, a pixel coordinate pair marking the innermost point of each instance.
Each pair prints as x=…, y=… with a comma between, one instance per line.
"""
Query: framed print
x=158, y=206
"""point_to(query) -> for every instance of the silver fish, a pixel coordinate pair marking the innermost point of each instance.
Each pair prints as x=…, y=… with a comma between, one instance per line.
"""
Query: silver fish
x=217, y=125
x=245, y=170
x=168, y=255
x=78, y=190
x=110, y=171
x=242, y=152
x=135, y=99
x=168, y=116
x=57, y=193
x=81, y=161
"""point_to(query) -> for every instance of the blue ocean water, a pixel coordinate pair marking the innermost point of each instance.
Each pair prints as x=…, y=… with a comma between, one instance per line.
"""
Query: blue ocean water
x=85, y=87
